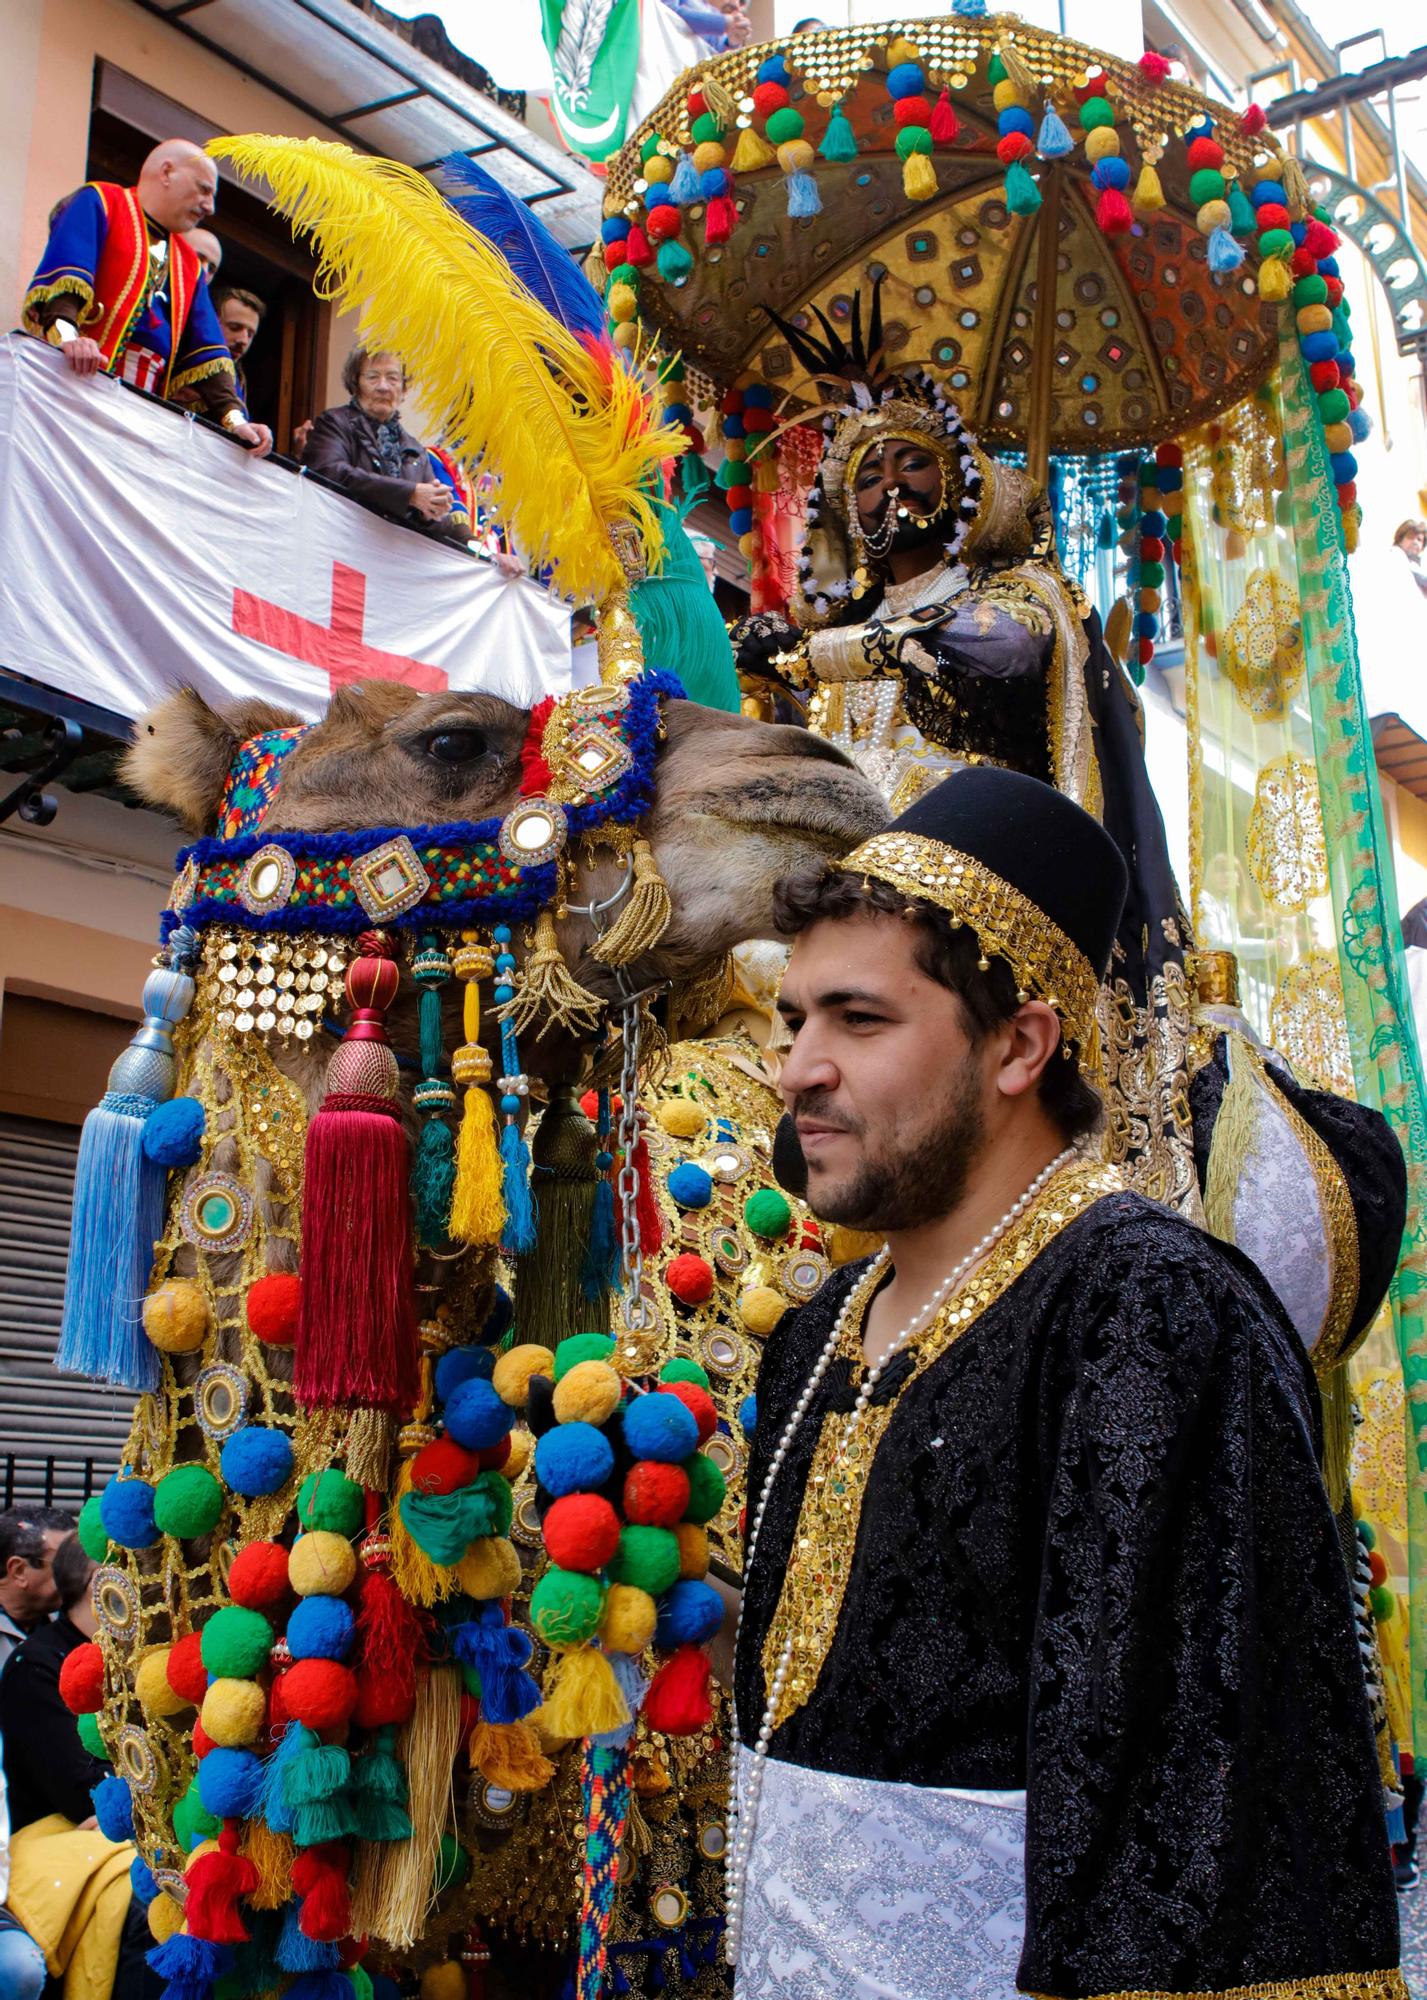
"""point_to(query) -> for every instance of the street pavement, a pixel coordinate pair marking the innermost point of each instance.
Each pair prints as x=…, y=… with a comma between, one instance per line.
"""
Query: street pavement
x=1412, y=1909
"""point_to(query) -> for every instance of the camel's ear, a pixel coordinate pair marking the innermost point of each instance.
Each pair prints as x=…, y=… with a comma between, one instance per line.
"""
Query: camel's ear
x=181, y=751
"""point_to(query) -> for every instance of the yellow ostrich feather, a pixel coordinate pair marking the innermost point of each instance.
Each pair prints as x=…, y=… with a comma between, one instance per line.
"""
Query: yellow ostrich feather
x=565, y=436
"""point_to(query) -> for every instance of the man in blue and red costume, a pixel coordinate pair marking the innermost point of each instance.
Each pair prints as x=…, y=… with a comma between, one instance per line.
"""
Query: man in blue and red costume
x=122, y=292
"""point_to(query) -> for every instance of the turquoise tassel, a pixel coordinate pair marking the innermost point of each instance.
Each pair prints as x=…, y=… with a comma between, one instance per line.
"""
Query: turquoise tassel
x=273, y=1807
x=1023, y=197
x=1053, y=141
x=675, y=260
x=315, y=1790
x=433, y=1182
x=379, y=1792
x=519, y=1235
x=803, y=197
x=839, y=140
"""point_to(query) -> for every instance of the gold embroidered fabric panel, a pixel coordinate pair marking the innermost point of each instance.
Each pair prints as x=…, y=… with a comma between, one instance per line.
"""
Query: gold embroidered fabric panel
x=1386, y=1985
x=811, y=1599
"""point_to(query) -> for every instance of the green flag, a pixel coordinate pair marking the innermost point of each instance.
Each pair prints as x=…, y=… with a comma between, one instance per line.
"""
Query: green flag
x=594, y=52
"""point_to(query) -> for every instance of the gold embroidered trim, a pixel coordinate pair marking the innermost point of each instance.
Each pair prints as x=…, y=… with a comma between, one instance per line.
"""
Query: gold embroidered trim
x=1041, y=956
x=1385, y=1985
x=71, y=287
x=205, y=369
x=815, y=1581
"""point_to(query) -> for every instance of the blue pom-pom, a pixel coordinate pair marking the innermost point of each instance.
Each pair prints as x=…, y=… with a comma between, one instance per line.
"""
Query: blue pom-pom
x=1328, y=267
x=678, y=413
x=1146, y=625
x=462, y=1364
x=658, y=196
x=660, y=1426
x=748, y=1415
x=689, y=1613
x=142, y=1885
x=690, y=1186
x=715, y=181
x=574, y=1458
x=906, y=80
x=1111, y=172
x=256, y=1460
x=1319, y=346
x=113, y=1809
x=1015, y=118
x=321, y=1628
x=757, y=396
x=741, y=520
x=772, y=69
x=1152, y=521
x=173, y=1132
x=475, y=1416
x=1266, y=192
x=1360, y=424
x=1342, y=467
x=1169, y=478
x=230, y=1783
x=614, y=229
x=499, y=1317
x=734, y=427
x=126, y=1508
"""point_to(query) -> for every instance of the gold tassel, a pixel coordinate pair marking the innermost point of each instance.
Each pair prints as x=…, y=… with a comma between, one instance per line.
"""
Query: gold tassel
x=508, y=1754
x=477, y=1211
x=1231, y=1144
x=1148, y=195
x=1016, y=71
x=918, y=177
x=638, y=1840
x=720, y=101
x=586, y=1700
x=395, y=1878
x=751, y=153
x=1295, y=184
x=765, y=463
x=371, y=1435
x=1336, y=1394
x=644, y=918
x=272, y=1855
x=417, y=1578
x=595, y=266
x=548, y=988
x=548, y=1291
x=618, y=646
x=1117, y=630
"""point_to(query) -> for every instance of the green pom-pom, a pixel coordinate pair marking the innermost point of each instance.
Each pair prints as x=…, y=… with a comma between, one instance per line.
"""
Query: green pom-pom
x=683, y=1368
x=236, y=1643
x=649, y=148
x=1277, y=243
x=783, y=125
x=767, y=1213
x=839, y=140
x=331, y=1500
x=1310, y=292
x=91, y=1739
x=1383, y=1603
x=646, y=1557
x=1207, y=184
x=1333, y=406
x=496, y=1487
x=708, y=1489
x=1367, y=1535
x=704, y=128
x=913, y=139
x=565, y=1606
x=675, y=260
x=578, y=1347
x=453, y=1864
x=625, y=274
x=361, y=1982
x=1023, y=197
x=1151, y=575
x=187, y=1502
x=90, y=1529
x=192, y=1820
x=1096, y=111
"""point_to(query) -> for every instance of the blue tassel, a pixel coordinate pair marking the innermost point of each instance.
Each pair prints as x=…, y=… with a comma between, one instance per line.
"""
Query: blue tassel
x=190, y=1965
x=598, y=1272
x=1224, y=253
x=685, y=187
x=296, y=1952
x=273, y=1807
x=324, y=1985
x=1053, y=141
x=499, y=1653
x=633, y=1686
x=803, y=196
x=519, y=1234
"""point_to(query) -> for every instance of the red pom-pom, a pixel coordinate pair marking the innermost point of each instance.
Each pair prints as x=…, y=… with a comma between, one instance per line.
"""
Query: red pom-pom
x=320, y=1694
x=614, y=256
x=943, y=123
x=1169, y=454
x=442, y=1466
x=1377, y=1568
x=636, y=247
x=1093, y=86
x=1348, y=493
x=1145, y=651
x=1335, y=290
x=495, y=1455
x=730, y=404
x=677, y=1703
x=81, y=1680
x=769, y=97
x=1253, y=120
x=663, y=222
x=1205, y=153
x=1324, y=375
x=656, y=1495
x=759, y=420
x=1303, y=264
x=187, y=1675
x=1113, y=213
x=257, y=1579
x=273, y=1307
x=911, y=111
x=1012, y=146
x=689, y=1278
x=1155, y=66
x=202, y=1741
x=1320, y=239
x=582, y=1532
x=1273, y=215
x=698, y=1402
x=1151, y=548
x=698, y=105
x=738, y=496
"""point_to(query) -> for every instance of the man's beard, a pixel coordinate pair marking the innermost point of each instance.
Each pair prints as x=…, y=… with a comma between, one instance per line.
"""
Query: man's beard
x=918, y=1186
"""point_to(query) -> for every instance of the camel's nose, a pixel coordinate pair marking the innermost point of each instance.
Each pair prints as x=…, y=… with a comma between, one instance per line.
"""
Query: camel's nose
x=787, y=739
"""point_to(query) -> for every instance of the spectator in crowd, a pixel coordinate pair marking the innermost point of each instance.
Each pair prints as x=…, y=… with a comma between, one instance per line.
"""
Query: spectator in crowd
x=1411, y=538
x=47, y=1768
x=29, y=1537
x=22, y=1963
x=362, y=447
x=240, y=314
x=117, y=263
x=207, y=249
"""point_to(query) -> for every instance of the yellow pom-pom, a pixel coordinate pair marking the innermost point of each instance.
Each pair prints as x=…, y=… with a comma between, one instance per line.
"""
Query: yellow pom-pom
x=1338, y=437
x=658, y=167
x=522, y=1444
x=176, y=1317
x=1313, y=319
x=1352, y=522
x=156, y=1697
x=679, y=1118
x=489, y=1568
x=1102, y=142
x=902, y=50
x=1150, y=600
x=626, y=333
x=1213, y=215
x=1275, y=279
x=515, y=1368
x=587, y=1393
x=761, y=1308
x=232, y=1713
x=693, y=1549
x=446, y=1981
x=918, y=177
x=621, y=302
x=165, y=1918
x=627, y=1621
x=1148, y=194
x=735, y=449
x=709, y=154
x=752, y=152
x=796, y=156
x=1005, y=96
x=321, y=1564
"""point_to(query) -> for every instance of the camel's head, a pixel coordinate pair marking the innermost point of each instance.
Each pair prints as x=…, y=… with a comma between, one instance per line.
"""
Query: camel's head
x=737, y=802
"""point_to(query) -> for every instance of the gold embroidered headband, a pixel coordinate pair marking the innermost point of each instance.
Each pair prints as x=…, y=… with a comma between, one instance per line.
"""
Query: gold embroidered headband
x=1046, y=965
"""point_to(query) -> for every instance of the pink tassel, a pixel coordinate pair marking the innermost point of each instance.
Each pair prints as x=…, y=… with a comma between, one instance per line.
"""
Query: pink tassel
x=1155, y=66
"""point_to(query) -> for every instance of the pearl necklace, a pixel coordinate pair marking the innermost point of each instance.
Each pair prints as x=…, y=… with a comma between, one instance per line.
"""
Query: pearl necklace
x=743, y=1820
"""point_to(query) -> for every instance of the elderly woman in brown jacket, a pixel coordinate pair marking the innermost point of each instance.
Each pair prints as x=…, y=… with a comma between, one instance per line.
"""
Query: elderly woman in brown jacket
x=362, y=447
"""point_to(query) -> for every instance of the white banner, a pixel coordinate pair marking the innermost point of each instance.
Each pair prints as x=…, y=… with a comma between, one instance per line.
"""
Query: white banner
x=142, y=552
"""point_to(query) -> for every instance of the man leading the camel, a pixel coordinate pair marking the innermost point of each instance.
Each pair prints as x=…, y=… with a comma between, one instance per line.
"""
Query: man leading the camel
x=1046, y=1677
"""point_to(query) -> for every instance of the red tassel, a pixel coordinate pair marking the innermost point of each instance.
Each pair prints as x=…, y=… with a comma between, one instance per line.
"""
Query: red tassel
x=1155, y=66
x=944, y=123
x=1113, y=212
x=646, y=1210
x=356, y=1330
x=719, y=219
x=215, y=1882
x=319, y=1875
x=1319, y=240
x=1253, y=120
x=677, y=1703
x=636, y=246
x=393, y=1651
x=535, y=773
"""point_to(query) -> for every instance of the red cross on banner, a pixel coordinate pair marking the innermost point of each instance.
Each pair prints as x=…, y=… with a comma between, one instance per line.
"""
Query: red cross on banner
x=337, y=648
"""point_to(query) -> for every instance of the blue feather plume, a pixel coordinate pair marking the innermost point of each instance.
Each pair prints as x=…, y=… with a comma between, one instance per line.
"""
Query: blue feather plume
x=544, y=266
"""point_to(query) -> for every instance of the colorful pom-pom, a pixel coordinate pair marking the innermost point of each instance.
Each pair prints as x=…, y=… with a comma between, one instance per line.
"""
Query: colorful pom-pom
x=767, y=1213
x=187, y=1675
x=235, y=1643
x=256, y=1460
x=659, y=1426
x=690, y=1278
x=233, y=1713
x=517, y=1368
x=656, y=1494
x=578, y=1347
x=708, y=1488
x=155, y=1692
x=93, y=1537
x=691, y=1186
x=81, y=1680
x=319, y=1693
x=476, y=1416
x=321, y=1563
x=581, y=1532
x=627, y=1621
x=647, y=1558
x=187, y=1502
x=258, y=1577
x=321, y=1628
x=113, y=1809
x=573, y=1458
x=565, y=1607
x=230, y=1783
x=760, y=1308
x=177, y=1317
x=442, y=1466
x=590, y=1393
x=700, y=1405
x=126, y=1508
x=173, y=1132
x=690, y=1614
x=462, y=1364
x=272, y=1307
x=330, y=1500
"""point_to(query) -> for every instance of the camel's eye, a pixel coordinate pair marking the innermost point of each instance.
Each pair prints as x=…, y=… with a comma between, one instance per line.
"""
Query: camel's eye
x=454, y=746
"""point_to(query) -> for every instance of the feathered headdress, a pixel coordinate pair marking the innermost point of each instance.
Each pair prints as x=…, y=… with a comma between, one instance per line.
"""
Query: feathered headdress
x=541, y=402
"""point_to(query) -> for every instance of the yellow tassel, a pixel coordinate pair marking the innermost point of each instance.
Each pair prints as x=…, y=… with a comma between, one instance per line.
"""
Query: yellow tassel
x=644, y=918
x=508, y=1755
x=1027, y=87
x=1117, y=630
x=371, y=1436
x=1337, y=1398
x=918, y=177
x=395, y=1881
x=1275, y=279
x=1295, y=184
x=416, y=1576
x=477, y=1211
x=271, y=1854
x=586, y=1700
x=1148, y=194
x=751, y=152
x=595, y=267
x=549, y=989
x=765, y=473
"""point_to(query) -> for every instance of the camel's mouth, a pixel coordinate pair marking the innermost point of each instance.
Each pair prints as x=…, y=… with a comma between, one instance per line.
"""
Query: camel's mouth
x=830, y=808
